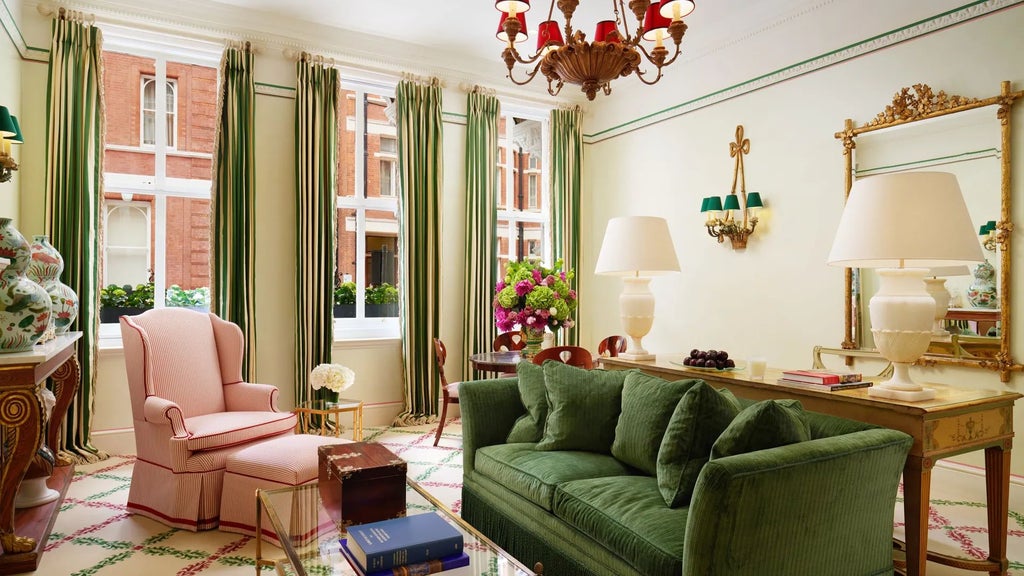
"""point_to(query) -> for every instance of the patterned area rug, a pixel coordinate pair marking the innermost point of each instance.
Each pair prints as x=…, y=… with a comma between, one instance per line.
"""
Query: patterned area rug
x=95, y=535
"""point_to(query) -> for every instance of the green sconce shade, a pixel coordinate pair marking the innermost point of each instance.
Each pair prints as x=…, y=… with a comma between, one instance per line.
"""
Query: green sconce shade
x=983, y=230
x=990, y=226
x=713, y=203
x=732, y=202
x=17, y=138
x=704, y=205
x=7, y=127
x=754, y=200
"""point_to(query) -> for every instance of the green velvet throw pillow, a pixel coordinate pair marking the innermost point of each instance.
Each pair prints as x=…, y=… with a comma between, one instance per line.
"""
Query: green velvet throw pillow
x=763, y=425
x=700, y=416
x=532, y=391
x=583, y=408
x=647, y=406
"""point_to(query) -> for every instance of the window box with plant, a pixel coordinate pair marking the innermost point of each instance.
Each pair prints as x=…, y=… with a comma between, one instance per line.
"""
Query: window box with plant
x=195, y=299
x=127, y=300
x=381, y=300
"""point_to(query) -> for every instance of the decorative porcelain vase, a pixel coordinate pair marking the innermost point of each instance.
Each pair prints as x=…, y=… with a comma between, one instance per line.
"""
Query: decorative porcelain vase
x=982, y=292
x=24, y=304
x=45, y=268
x=534, y=340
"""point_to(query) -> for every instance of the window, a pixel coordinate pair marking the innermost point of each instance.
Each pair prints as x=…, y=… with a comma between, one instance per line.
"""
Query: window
x=523, y=205
x=388, y=166
x=149, y=111
x=367, y=274
x=157, y=180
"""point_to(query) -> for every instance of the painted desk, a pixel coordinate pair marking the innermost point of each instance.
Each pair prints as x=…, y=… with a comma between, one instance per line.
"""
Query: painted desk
x=954, y=422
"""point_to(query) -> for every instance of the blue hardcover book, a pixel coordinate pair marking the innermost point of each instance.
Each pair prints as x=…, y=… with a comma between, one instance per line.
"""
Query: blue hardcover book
x=402, y=541
x=446, y=564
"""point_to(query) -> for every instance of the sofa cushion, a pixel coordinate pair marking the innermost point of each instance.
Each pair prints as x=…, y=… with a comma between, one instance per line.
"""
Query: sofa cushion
x=763, y=425
x=700, y=416
x=583, y=408
x=647, y=405
x=534, y=475
x=627, y=515
x=530, y=426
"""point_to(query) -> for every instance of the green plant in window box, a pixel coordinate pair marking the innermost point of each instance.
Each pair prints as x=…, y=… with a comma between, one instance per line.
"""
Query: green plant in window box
x=195, y=298
x=345, y=300
x=117, y=301
x=381, y=301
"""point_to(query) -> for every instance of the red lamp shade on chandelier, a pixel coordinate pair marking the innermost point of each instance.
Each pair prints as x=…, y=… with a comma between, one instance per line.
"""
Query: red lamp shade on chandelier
x=549, y=35
x=520, y=35
x=606, y=32
x=655, y=25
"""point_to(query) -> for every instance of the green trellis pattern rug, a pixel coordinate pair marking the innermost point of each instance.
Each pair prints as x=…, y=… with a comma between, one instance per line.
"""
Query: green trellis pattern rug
x=94, y=535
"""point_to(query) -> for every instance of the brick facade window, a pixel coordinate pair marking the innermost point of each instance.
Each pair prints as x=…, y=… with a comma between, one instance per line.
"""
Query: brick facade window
x=149, y=111
x=524, y=212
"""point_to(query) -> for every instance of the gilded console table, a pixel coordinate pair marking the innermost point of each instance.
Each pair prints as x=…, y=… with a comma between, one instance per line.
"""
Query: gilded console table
x=954, y=422
x=24, y=437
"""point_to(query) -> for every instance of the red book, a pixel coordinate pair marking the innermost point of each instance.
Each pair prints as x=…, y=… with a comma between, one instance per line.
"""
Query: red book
x=822, y=376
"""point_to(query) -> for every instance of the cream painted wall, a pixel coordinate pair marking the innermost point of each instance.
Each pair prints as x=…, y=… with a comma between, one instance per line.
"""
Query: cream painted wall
x=10, y=96
x=778, y=298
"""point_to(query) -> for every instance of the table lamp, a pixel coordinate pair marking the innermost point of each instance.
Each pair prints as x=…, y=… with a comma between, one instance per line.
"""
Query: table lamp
x=636, y=248
x=904, y=224
x=935, y=285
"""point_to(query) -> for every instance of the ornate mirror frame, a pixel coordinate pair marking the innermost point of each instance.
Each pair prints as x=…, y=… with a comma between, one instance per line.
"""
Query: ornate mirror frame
x=919, y=103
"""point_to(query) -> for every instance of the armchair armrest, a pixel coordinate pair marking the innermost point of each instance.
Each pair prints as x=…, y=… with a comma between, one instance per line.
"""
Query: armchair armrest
x=250, y=397
x=163, y=412
x=489, y=409
x=824, y=506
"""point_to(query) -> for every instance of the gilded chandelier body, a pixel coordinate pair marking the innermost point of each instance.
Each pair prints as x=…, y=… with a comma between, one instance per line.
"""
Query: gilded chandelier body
x=594, y=64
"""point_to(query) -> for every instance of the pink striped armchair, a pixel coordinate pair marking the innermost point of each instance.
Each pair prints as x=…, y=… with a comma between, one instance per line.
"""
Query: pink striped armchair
x=191, y=410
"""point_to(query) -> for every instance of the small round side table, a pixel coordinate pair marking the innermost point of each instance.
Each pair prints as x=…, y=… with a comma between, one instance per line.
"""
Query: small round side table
x=329, y=411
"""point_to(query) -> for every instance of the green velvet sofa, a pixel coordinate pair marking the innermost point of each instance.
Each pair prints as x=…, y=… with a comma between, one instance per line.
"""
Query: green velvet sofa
x=814, y=507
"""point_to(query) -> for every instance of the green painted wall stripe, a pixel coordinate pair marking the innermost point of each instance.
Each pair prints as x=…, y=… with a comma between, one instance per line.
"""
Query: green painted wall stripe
x=278, y=86
x=623, y=127
x=984, y=153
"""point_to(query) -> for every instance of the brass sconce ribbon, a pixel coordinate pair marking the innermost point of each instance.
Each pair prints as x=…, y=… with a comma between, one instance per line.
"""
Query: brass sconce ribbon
x=727, y=226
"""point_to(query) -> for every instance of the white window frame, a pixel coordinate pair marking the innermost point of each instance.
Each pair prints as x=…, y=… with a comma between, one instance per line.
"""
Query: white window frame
x=172, y=83
x=507, y=212
x=391, y=159
x=111, y=206
x=361, y=327
x=161, y=48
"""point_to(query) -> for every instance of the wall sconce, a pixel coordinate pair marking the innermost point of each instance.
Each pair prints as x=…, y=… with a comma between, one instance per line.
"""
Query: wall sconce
x=726, y=225
x=10, y=133
x=991, y=235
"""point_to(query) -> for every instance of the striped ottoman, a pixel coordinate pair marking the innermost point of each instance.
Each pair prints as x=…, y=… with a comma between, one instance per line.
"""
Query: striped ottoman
x=277, y=463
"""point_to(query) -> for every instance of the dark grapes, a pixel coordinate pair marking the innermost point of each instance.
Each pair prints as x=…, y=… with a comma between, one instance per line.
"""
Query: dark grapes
x=714, y=359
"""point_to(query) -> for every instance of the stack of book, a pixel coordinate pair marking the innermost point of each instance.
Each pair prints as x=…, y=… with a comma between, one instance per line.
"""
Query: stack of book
x=828, y=380
x=409, y=546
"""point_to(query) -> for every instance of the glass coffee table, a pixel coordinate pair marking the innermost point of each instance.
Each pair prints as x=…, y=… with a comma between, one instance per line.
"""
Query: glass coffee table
x=311, y=541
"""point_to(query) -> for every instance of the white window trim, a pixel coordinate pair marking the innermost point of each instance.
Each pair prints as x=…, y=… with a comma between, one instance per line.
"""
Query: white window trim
x=543, y=213
x=173, y=83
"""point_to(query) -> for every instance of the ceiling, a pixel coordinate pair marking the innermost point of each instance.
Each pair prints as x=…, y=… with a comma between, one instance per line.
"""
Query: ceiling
x=730, y=40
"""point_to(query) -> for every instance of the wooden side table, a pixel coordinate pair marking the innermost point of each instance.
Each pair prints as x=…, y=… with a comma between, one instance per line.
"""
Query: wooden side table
x=329, y=412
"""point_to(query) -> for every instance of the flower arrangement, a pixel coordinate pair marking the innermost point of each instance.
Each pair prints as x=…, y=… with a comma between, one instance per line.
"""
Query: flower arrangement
x=334, y=377
x=534, y=297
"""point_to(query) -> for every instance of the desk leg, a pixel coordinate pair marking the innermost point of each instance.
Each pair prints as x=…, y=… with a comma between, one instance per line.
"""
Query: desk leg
x=997, y=488
x=20, y=434
x=917, y=483
x=66, y=381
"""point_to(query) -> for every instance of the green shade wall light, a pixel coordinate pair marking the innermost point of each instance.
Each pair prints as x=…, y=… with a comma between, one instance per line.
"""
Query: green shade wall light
x=10, y=133
x=721, y=220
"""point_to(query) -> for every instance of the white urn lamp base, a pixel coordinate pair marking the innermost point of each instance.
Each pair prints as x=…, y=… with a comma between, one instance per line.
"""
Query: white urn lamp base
x=902, y=319
x=636, y=306
x=34, y=492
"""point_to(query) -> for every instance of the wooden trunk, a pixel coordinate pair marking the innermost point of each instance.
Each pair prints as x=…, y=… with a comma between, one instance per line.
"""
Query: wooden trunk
x=361, y=482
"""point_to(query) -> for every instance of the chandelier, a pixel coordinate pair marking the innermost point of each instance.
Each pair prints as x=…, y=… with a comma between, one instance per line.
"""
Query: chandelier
x=616, y=50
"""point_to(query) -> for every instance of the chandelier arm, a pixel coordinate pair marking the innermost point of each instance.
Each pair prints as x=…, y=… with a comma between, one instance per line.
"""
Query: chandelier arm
x=529, y=75
x=557, y=89
x=640, y=75
x=517, y=57
x=653, y=60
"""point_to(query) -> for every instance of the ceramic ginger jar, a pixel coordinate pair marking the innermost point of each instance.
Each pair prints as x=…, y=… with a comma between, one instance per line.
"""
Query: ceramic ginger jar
x=24, y=304
x=45, y=268
x=982, y=292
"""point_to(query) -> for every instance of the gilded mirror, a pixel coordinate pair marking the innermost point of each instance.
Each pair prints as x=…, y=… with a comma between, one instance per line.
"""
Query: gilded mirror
x=926, y=130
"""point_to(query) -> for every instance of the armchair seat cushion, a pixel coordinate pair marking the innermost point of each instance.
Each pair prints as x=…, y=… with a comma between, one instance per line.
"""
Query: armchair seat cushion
x=534, y=474
x=626, y=514
x=224, y=429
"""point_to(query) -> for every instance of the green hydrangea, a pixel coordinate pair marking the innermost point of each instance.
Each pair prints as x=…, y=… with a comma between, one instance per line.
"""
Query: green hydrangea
x=507, y=297
x=541, y=298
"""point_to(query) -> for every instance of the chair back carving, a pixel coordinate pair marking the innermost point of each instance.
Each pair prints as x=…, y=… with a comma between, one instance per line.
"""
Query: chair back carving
x=571, y=355
x=612, y=346
x=509, y=341
x=441, y=354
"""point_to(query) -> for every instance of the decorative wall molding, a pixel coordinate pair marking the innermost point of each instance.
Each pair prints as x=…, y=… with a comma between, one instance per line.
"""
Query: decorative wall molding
x=909, y=32
x=14, y=33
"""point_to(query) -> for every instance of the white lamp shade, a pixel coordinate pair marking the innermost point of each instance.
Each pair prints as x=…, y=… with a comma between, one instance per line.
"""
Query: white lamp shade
x=905, y=220
x=637, y=246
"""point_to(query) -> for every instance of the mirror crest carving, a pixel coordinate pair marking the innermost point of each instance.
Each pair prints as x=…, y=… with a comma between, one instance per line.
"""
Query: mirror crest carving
x=914, y=104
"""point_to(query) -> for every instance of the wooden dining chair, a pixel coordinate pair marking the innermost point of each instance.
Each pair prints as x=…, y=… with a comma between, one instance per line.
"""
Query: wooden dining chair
x=450, y=391
x=612, y=346
x=508, y=341
x=571, y=355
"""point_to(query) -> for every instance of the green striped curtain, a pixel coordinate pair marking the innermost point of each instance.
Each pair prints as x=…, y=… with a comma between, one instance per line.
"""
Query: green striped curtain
x=233, y=201
x=482, y=114
x=74, y=169
x=316, y=128
x=566, y=162
x=419, y=167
